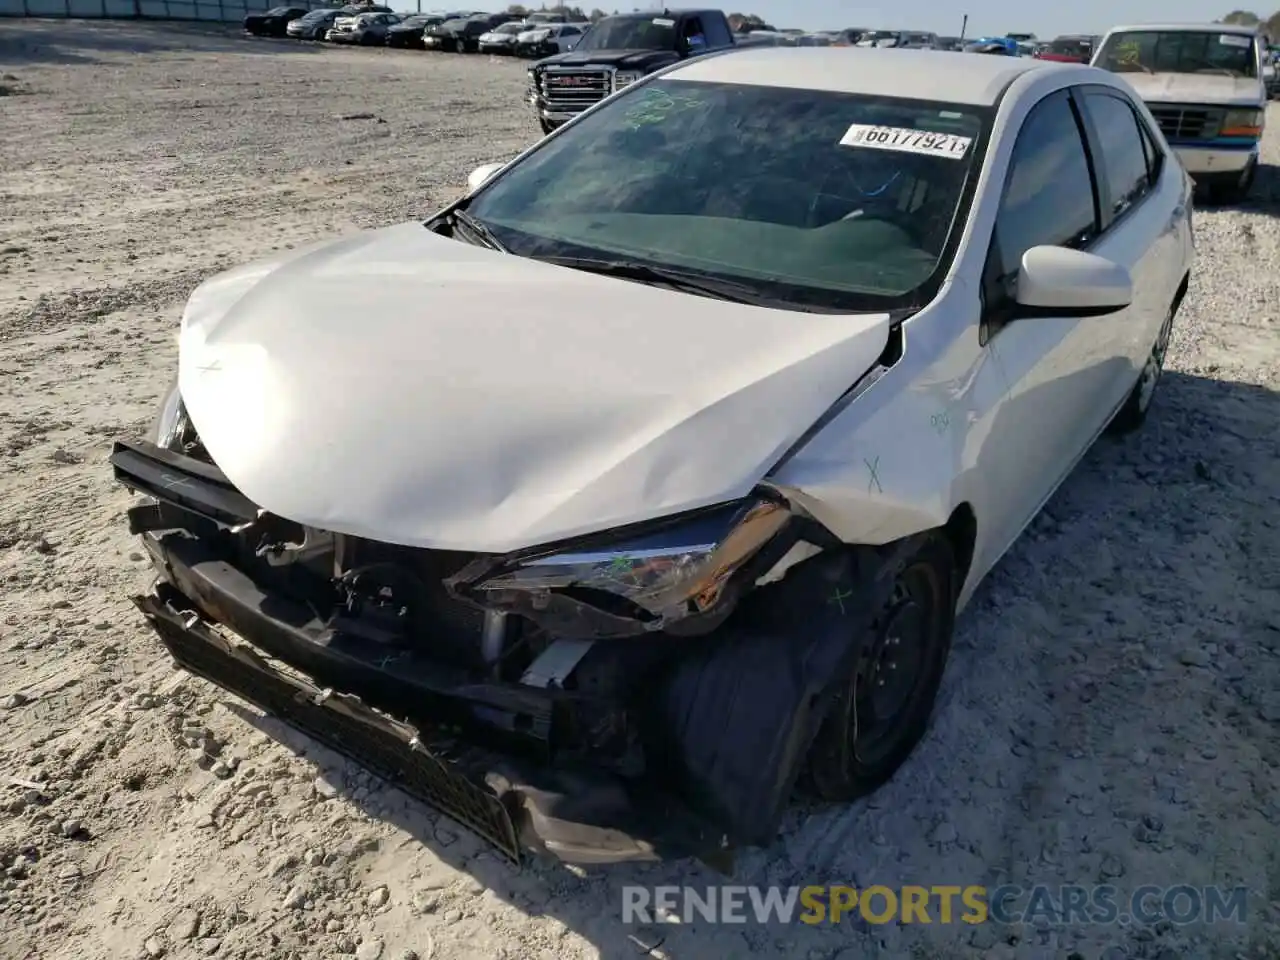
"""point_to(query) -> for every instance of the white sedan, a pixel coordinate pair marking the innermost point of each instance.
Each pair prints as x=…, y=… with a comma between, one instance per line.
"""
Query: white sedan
x=660, y=465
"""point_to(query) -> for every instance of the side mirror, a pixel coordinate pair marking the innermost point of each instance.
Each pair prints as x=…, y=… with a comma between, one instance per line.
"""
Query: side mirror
x=1061, y=282
x=481, y=175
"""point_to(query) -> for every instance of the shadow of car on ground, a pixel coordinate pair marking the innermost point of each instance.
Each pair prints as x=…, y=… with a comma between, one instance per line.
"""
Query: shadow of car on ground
x=1263, y=198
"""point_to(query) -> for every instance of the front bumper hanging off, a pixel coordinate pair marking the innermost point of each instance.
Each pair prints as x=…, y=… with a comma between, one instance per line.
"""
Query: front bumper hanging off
x=389, y=748
x=733, y=714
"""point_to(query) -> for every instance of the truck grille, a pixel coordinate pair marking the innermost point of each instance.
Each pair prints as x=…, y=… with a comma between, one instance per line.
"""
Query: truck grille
x=575, y=89
x=1179, y=122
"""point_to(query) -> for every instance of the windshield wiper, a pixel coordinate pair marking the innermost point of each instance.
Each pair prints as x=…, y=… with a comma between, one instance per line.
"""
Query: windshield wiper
x=673, y=279
x=470, y=225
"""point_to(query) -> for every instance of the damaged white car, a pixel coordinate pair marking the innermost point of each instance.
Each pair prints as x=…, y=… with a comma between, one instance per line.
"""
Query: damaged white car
x=645, y=482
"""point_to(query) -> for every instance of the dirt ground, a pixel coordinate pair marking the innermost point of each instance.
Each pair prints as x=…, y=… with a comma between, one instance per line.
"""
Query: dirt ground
x=1111, y=711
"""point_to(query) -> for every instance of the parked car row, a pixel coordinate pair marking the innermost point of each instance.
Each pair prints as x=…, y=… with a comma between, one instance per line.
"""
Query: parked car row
x=460, y=31
x=1207, y=85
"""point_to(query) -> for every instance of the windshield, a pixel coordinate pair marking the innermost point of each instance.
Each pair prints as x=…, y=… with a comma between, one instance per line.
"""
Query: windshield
x=316, y=15
x=277, y=11
x=630, y=33
x=510, y=28
x=1179, y=51
x=813, y=198
x=877, y=35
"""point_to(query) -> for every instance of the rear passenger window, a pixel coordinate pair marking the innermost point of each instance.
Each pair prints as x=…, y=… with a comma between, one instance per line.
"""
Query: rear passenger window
x=1048, y=196
x=1124, y=166
x=717, y=32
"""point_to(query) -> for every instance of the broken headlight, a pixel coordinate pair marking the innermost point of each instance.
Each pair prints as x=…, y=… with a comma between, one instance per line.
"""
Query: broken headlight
x=170, y=422
x=671, y=573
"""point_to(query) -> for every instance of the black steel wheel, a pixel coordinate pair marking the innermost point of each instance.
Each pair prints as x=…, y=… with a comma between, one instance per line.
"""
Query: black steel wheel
x=882, y=710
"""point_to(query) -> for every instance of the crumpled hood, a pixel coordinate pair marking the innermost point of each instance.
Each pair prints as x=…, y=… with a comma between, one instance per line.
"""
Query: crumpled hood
x=409, y=388
x=1196, y=88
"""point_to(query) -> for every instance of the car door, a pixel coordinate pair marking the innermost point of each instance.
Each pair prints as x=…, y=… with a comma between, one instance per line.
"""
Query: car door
x=1142, y=218
x=1049, y=197
x=717, y=33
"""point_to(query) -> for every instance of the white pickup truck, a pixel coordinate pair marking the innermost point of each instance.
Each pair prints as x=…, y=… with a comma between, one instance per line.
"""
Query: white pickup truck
x=1204, y=84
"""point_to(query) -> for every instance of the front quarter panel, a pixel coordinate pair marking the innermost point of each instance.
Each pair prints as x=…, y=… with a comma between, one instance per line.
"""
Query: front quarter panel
x=905, y=453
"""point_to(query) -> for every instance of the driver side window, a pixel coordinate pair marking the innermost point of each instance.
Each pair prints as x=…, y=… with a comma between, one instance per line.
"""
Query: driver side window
x=1049, y=198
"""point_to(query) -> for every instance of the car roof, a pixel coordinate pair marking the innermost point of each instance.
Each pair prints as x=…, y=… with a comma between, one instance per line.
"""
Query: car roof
x=1188, y=27
x=914, y=74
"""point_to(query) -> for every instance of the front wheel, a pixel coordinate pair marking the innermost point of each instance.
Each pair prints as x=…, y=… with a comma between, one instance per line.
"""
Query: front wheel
x=881, y=711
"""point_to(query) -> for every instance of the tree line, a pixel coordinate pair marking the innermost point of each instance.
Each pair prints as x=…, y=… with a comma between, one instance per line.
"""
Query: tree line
x=1270, y=26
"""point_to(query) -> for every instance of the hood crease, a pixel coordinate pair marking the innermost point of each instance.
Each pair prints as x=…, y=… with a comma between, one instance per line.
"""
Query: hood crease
x=409, y=388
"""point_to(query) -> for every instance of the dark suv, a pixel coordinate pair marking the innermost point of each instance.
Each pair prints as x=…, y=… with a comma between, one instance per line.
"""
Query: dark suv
x=616, y=51
x=463, y=36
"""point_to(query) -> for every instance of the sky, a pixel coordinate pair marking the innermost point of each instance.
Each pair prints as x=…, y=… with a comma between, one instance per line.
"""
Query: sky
x=986, y=17
x=1045, y=20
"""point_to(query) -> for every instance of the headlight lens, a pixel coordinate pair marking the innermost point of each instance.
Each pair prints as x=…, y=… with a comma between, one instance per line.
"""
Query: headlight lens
x=669, y=573
x=166, y=429
x=1246, y=122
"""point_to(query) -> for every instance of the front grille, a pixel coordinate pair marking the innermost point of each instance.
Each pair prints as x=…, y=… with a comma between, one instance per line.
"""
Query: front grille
x=390, y=749
x=575, y=89
x=1178, y=122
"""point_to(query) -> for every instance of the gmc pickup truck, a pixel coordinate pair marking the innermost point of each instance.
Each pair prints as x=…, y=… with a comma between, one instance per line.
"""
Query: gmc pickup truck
x=616, y=51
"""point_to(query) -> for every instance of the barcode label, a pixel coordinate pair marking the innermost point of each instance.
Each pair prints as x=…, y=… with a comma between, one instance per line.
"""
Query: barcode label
x=905, y=140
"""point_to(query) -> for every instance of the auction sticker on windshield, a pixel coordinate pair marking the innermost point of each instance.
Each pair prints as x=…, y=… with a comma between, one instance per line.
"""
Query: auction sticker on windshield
x=1234, y=40
x=906, y=140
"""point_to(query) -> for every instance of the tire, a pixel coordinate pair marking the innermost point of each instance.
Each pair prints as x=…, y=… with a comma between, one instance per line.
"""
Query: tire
x=1134, y=412
x=1237, y=189
x=846, y=762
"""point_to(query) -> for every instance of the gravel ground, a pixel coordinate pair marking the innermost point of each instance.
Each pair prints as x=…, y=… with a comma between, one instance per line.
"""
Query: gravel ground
x=1110, y=713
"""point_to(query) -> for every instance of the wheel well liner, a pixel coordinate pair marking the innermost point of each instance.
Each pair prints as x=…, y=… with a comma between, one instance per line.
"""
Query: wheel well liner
x=962, y=531
x=1182, y=290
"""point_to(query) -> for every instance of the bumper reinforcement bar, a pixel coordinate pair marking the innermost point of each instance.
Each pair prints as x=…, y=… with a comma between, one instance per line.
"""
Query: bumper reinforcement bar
x=342, y=722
